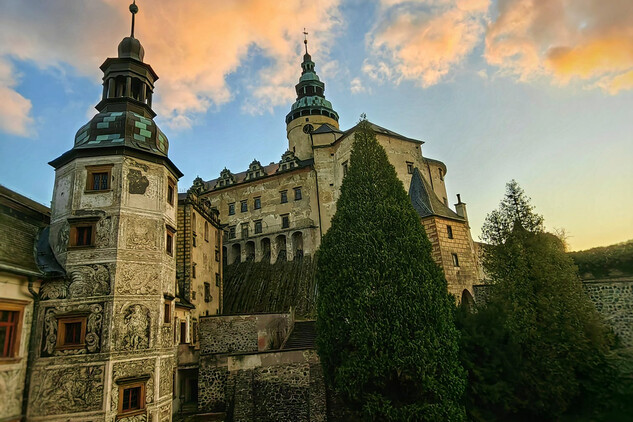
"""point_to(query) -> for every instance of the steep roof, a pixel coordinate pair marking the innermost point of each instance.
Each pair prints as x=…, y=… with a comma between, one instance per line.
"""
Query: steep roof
x=426, y=202
x=383, y=131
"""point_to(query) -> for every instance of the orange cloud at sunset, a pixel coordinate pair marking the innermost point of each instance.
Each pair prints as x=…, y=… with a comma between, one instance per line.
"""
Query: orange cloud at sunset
x=422, y=40
x=192, y=45
x=588, y=40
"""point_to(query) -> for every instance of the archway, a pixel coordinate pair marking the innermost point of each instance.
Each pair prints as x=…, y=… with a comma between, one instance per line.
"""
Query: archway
x=250, y=250
x=280, y=242
x=467, y=300
x=297, y=245
x=265, y=245
x=236, y=253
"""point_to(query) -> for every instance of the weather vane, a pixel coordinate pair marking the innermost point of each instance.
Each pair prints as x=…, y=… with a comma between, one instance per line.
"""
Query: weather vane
x=134, y=11
x=305, y=39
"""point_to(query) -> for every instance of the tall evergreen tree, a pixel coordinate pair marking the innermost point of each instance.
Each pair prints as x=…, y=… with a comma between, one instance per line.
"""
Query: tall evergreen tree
x=539, y=342
x=386, y=334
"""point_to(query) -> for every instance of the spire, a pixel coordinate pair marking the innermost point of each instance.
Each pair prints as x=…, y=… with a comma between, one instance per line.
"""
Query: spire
x=133, y=11
x=310, y=91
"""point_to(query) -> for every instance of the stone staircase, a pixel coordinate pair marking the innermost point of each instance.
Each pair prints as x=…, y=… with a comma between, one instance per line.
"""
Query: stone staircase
x=303, y=336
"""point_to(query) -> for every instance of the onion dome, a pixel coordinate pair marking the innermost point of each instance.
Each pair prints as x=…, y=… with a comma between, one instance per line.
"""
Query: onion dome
x=131, y=48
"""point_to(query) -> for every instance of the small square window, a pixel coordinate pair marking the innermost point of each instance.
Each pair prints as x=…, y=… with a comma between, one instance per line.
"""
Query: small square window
x=449, y=231
x=243, y=206
x=82, y=234
x=71, y=332
x=232, y=208
x=297, y=194
x=217, y=279
x=257, y=203
x=409, y=167
x=285, y=221
x=167, y=313
x=131, y=398
x=258, y=226
x=284, y=196
x=455, y=260
x=207, y=292
x=98, y=178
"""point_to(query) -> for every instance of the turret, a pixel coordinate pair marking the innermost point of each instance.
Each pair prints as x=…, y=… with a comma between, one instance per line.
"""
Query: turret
x=309, y=111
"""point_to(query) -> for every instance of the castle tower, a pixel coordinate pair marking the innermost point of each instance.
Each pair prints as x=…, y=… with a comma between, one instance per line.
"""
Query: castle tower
x=309, y=111
x=105, y=337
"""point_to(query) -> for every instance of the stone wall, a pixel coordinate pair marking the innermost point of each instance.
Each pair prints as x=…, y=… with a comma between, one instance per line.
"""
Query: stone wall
x=614, y=300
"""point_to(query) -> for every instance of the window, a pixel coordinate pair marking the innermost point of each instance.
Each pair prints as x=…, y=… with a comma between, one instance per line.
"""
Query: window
x=257, y=203
x=243, y=206
x=131, y=398
x=183, y=332
x=171, y=191
x=297, y=193
x=195, y=332
x=244, y=230
x=285, y=221
x=449, y=231
x=98, y=178
x=258, y=226
x=82, y=234
x=217, y=279
x=194, y=240
x=284, y=196
x=344, y=169
x=167, y=314
x=217, y=255
x=206, y=231
x=193, y=223
x=207, y=292
x=441, y=172
x=169, y=242
x=232, y=208
x=231, y=232
x=409, y=167
x=193, y=270
x=71, y=332
x=455, y=260
x=10, y=328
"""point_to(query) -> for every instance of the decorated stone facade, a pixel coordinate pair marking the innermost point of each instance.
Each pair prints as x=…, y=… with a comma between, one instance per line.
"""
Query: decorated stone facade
x=104, y=337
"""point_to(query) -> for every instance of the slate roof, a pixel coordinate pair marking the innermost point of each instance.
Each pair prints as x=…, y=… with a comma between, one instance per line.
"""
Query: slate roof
x=379, y=130
x=325, y=128
x=270, y=170
x=425, y=201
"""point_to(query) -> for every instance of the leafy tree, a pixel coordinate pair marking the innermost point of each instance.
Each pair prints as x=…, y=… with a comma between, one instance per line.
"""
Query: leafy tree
x=386, y=334
x=538, y=344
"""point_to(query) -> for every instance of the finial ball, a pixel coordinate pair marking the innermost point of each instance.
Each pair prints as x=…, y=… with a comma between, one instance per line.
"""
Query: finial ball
x=133, y=8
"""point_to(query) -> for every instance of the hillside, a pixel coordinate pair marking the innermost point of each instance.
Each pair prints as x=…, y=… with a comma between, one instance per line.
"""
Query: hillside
x=605, y=262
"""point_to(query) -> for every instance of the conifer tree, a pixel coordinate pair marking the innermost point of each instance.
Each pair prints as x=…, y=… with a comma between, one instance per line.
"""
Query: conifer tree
x=385, y=330
x=538, y=343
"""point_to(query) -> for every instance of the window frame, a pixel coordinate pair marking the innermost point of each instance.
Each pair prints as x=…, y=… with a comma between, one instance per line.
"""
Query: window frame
x=344, y=165
x=207, y=292
x=285, y=221
x=455, y=259
x=244, y=205
x=232, y=208
x=298, y=194
x=62, y=321
x=232, y=232
x=284, y=196
x=15, y=328
x=170, y=240
x=258, y=229
x=257, y=203
x=171, y=191
x=136, y=411
x=167, y=312
x=409, y=167
x=73, y=235
x=449, y=231
x=98, y=169
x=206, y=231
x=217, y=279
x=244, y=228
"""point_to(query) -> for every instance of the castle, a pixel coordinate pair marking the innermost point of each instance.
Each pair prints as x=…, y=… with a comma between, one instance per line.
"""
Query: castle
x=119, y=314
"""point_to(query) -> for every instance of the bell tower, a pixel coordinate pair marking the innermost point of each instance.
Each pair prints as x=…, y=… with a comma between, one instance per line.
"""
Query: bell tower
x=105, y=348
x=309, y=111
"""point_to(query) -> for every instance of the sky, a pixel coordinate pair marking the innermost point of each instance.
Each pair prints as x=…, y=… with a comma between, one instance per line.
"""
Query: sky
x=540, y=91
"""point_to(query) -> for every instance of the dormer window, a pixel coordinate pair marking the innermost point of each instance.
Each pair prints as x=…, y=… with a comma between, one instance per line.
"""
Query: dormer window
x=255, y=170
x=226, y=179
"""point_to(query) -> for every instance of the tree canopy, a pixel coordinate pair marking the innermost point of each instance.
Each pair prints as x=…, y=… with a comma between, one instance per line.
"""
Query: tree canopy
x=385, y=328
x=538, y=343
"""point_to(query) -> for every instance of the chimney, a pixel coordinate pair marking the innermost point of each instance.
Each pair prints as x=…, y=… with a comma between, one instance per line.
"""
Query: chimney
x=460, y=208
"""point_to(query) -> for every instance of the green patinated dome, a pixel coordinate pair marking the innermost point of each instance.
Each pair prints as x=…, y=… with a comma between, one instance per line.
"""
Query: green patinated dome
x=122, y=128
x=310, y=94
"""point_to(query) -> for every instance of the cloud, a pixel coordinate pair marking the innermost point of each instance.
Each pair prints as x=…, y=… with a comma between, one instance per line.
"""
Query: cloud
x=423, y=40
x=193, y=46
x=15, y=110
x=357, y=87
x=590, y=41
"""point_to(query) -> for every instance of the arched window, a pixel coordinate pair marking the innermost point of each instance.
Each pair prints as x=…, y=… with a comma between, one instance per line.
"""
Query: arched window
x=236, y=251
x=280, y=242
